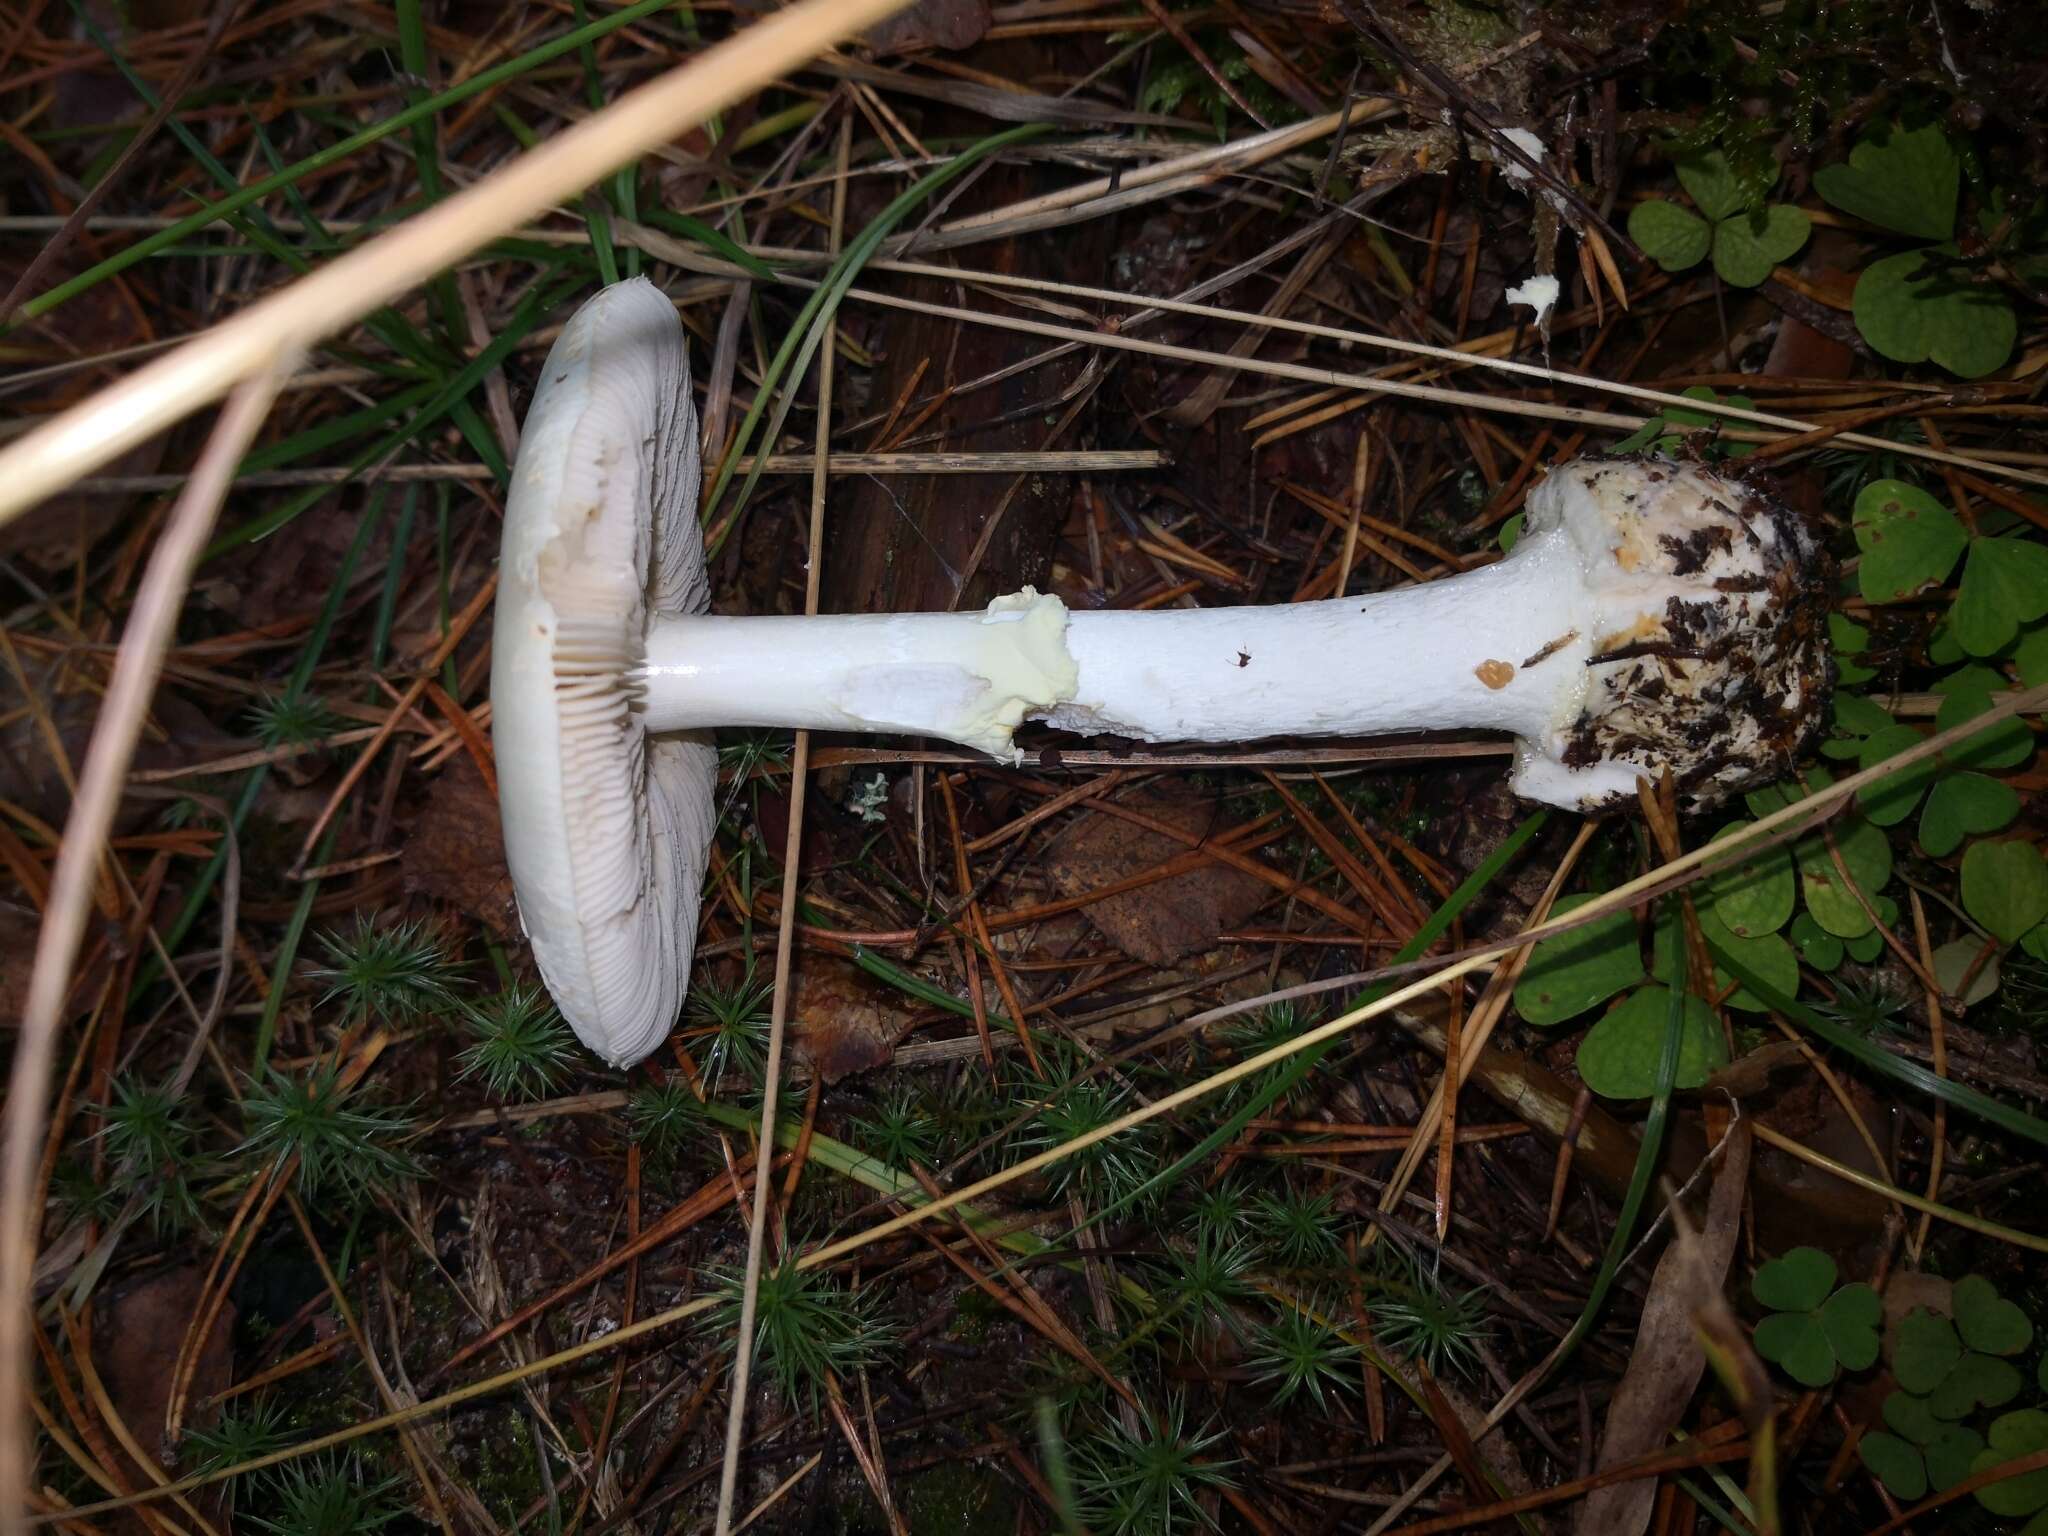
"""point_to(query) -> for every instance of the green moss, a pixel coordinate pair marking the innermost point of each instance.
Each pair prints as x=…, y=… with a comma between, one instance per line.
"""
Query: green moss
x=503, y=1470
x=972, y=1314
x=956, y=1498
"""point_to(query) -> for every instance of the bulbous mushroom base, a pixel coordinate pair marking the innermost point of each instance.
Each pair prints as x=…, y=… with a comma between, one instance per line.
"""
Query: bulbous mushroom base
x=1709, y=656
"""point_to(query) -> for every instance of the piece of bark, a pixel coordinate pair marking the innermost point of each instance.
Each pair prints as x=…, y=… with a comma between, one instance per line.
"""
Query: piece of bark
x=926, y=543
x=1665, y=1367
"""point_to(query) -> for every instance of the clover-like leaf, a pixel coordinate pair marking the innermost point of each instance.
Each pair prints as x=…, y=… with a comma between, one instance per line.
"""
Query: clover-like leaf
x=1896, y=1463
x=1796, y=1342
x=2005, y=888
x=1949, y=1455
x=1671, y=236
x=1817, y=947
x=1908, y=539
x=1767, y=957
x=1775, y=797
x=1911, y=312
x=1619, y=1056
x=1797, y=1280
x=1946, y=1449
x=1890, y=801
x=1849, y=640
x=1650, y=436
x=1572, y=972
x=1851, y=1318
x=1857, y=715
x=1975, y=677
x=1682, y=416
x=1748, y=245
x=1755, y=896
x=2030, y=657
x=1964, y=805
x=1901, y=181
x=1976, y=1381
x=1710, y=181
x=1925, y=1351
x=1988, y=1321
x=1866, y=854
x=2004, y=585
x=1909, y=1415
x=2023, y=1432
x=2004, y=744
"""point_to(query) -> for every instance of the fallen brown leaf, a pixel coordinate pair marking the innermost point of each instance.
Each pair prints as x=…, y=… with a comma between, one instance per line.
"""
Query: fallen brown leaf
x=1171, y=918
x=455, y=851
x=1809, y=1206
x=841, y=1022
x=30, y=777
x=135, y=1345
x=931, y=24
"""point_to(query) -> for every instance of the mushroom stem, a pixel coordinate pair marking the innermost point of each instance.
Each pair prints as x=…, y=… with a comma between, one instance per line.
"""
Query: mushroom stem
x=1461, y=653
x=1464, y=652
x=965, y=677
x=1652, y=613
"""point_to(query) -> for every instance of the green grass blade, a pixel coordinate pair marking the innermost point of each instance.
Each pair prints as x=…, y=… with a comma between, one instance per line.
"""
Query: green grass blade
x=386, y=324
x=814, y=320
x=1648, y=1151
x=595, y=218
x=426, y=154
x=1878, y=1059
x=287, y=955
x=394, y=578
x=252, y=786
x=334, y=431
x=256, y=191
x=715, y=240
x=916, y=986
x=412, y=53
x=447, y=399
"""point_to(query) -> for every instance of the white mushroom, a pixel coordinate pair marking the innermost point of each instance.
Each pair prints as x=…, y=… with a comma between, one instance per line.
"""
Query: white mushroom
x=1653, y=615
x=607, y=826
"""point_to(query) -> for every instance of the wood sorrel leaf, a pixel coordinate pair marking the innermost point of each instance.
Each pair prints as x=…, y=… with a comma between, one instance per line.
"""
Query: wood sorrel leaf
x=1908, y=539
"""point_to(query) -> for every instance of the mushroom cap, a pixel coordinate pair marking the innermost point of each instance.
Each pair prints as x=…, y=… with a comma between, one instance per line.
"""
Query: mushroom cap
x=1706, y=649
x=607, y=826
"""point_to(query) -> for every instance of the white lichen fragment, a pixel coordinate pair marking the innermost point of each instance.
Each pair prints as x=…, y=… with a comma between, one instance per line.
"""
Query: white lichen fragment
x=1540, y=293
x=1529, y=145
